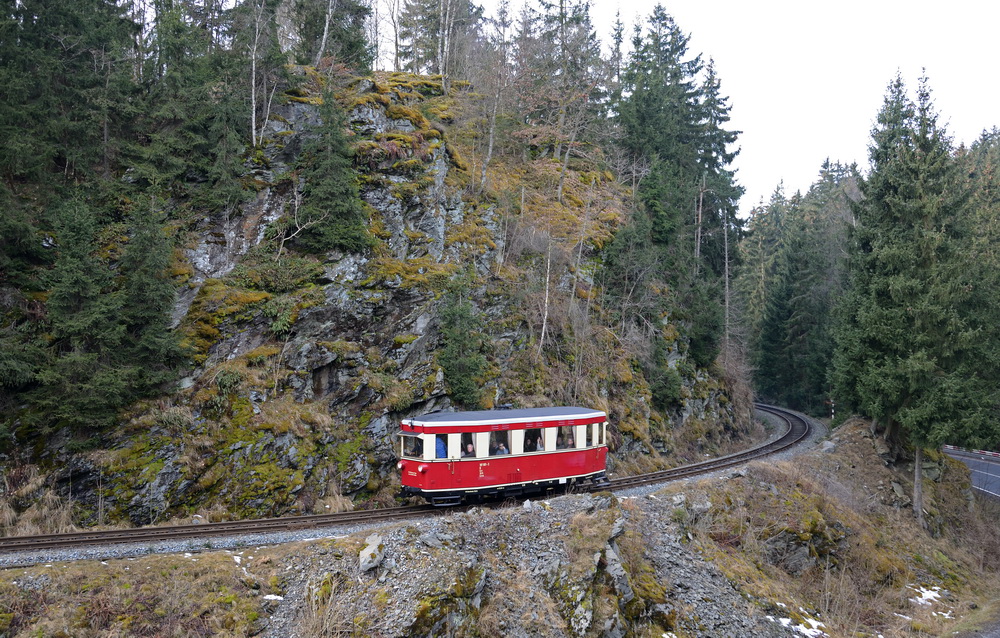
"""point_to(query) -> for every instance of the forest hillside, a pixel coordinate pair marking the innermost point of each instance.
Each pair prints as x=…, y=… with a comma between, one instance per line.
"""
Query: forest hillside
x=234, y=258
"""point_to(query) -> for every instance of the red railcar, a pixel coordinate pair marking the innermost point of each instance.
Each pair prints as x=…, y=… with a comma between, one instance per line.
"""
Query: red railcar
x=448, y=457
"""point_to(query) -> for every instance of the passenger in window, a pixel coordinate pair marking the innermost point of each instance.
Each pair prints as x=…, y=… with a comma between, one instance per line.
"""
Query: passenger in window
x=529, y=446
x=501, y=448
x=469, y=450
x=541, y=444
x=560, y=444
x=441, y=448
x=569, y=441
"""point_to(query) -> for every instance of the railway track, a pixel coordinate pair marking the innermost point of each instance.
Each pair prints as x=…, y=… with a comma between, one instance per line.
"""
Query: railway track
x=796, y=430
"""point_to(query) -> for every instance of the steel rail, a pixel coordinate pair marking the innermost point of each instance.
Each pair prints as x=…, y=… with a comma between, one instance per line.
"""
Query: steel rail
x=797, y=429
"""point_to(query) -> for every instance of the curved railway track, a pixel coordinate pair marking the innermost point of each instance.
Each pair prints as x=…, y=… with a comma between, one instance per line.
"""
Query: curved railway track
x=796, y=430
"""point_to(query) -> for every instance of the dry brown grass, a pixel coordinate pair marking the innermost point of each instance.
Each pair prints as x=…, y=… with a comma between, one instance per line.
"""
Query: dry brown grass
x=332, y=501
x=204, y=595
x=587, y=535
x=506, y=598
x=866, y=552
x=328, y=610
x=49, y=514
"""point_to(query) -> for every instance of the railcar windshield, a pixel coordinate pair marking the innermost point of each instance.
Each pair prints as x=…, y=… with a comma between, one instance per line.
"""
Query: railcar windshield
x=411, y=447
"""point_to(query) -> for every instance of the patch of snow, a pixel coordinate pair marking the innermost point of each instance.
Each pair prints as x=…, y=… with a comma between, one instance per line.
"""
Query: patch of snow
x=812, y=631
x=926, y=596
x=273, y=597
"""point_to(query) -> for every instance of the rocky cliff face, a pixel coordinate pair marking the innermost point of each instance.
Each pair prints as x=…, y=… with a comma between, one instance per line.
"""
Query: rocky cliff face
x=305, y=366
x=587, y=566
x=768, y=550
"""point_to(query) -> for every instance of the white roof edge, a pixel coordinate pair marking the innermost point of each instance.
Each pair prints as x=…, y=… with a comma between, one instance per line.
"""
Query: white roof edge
x=522, y=419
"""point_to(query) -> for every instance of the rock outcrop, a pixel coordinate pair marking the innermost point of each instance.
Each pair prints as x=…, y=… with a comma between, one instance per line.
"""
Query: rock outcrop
x=573, y=566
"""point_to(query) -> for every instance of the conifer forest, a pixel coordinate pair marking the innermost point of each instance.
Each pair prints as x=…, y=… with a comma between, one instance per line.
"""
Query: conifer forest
x=591, y=250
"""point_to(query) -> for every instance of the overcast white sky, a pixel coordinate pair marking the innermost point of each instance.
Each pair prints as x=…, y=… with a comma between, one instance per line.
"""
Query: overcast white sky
x=806, y=79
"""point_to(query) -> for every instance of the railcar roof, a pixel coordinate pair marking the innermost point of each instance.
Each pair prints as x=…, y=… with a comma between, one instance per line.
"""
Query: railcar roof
x=504, y=416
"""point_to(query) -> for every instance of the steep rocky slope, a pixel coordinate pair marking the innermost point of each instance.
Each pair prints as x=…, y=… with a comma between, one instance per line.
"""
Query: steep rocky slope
x=304, y=366
x=771, y=550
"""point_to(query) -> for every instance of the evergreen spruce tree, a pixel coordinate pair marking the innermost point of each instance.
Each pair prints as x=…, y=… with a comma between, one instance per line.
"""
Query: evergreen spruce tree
x=910, y=351
x=462, y=357
x=761, y=253
x=63, y=85
x=81, y=384
x=792, y=278
x=676, y=122
x=193, y=121
x=334, y=29
x=150, y=348
x=330, y=216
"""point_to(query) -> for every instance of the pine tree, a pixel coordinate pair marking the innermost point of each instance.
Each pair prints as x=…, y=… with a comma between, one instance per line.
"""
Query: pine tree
x=462, y=357
x=330, y=216
x=910, y=349
x=334, y=29
x=676, y=122
x=793, y=276
x=80, y=384
x=64, y=89
x=193, y=113
x=147, y=301
x=762, y=251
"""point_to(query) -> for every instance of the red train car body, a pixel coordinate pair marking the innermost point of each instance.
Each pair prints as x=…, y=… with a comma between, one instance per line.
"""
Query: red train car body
x=450, y=457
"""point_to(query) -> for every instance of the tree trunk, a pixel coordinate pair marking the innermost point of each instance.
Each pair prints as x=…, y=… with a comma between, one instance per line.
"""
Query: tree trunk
x=565, y=165
x=918, y=487
x=697, y=229
x=446, y=22
x=489, y=145
x=394, y=21
x=501, y=77
x=253, y=73
x=330, y=6
x=725, y=248
x=545, y=311
x=105, y=124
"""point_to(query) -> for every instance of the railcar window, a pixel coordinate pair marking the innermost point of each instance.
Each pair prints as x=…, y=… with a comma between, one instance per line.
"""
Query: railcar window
x=591, y=432
x=468, y=447
x=413, y=447
x=440, y=446
x=499, y=443
x=564, y=438
x=533, y=440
